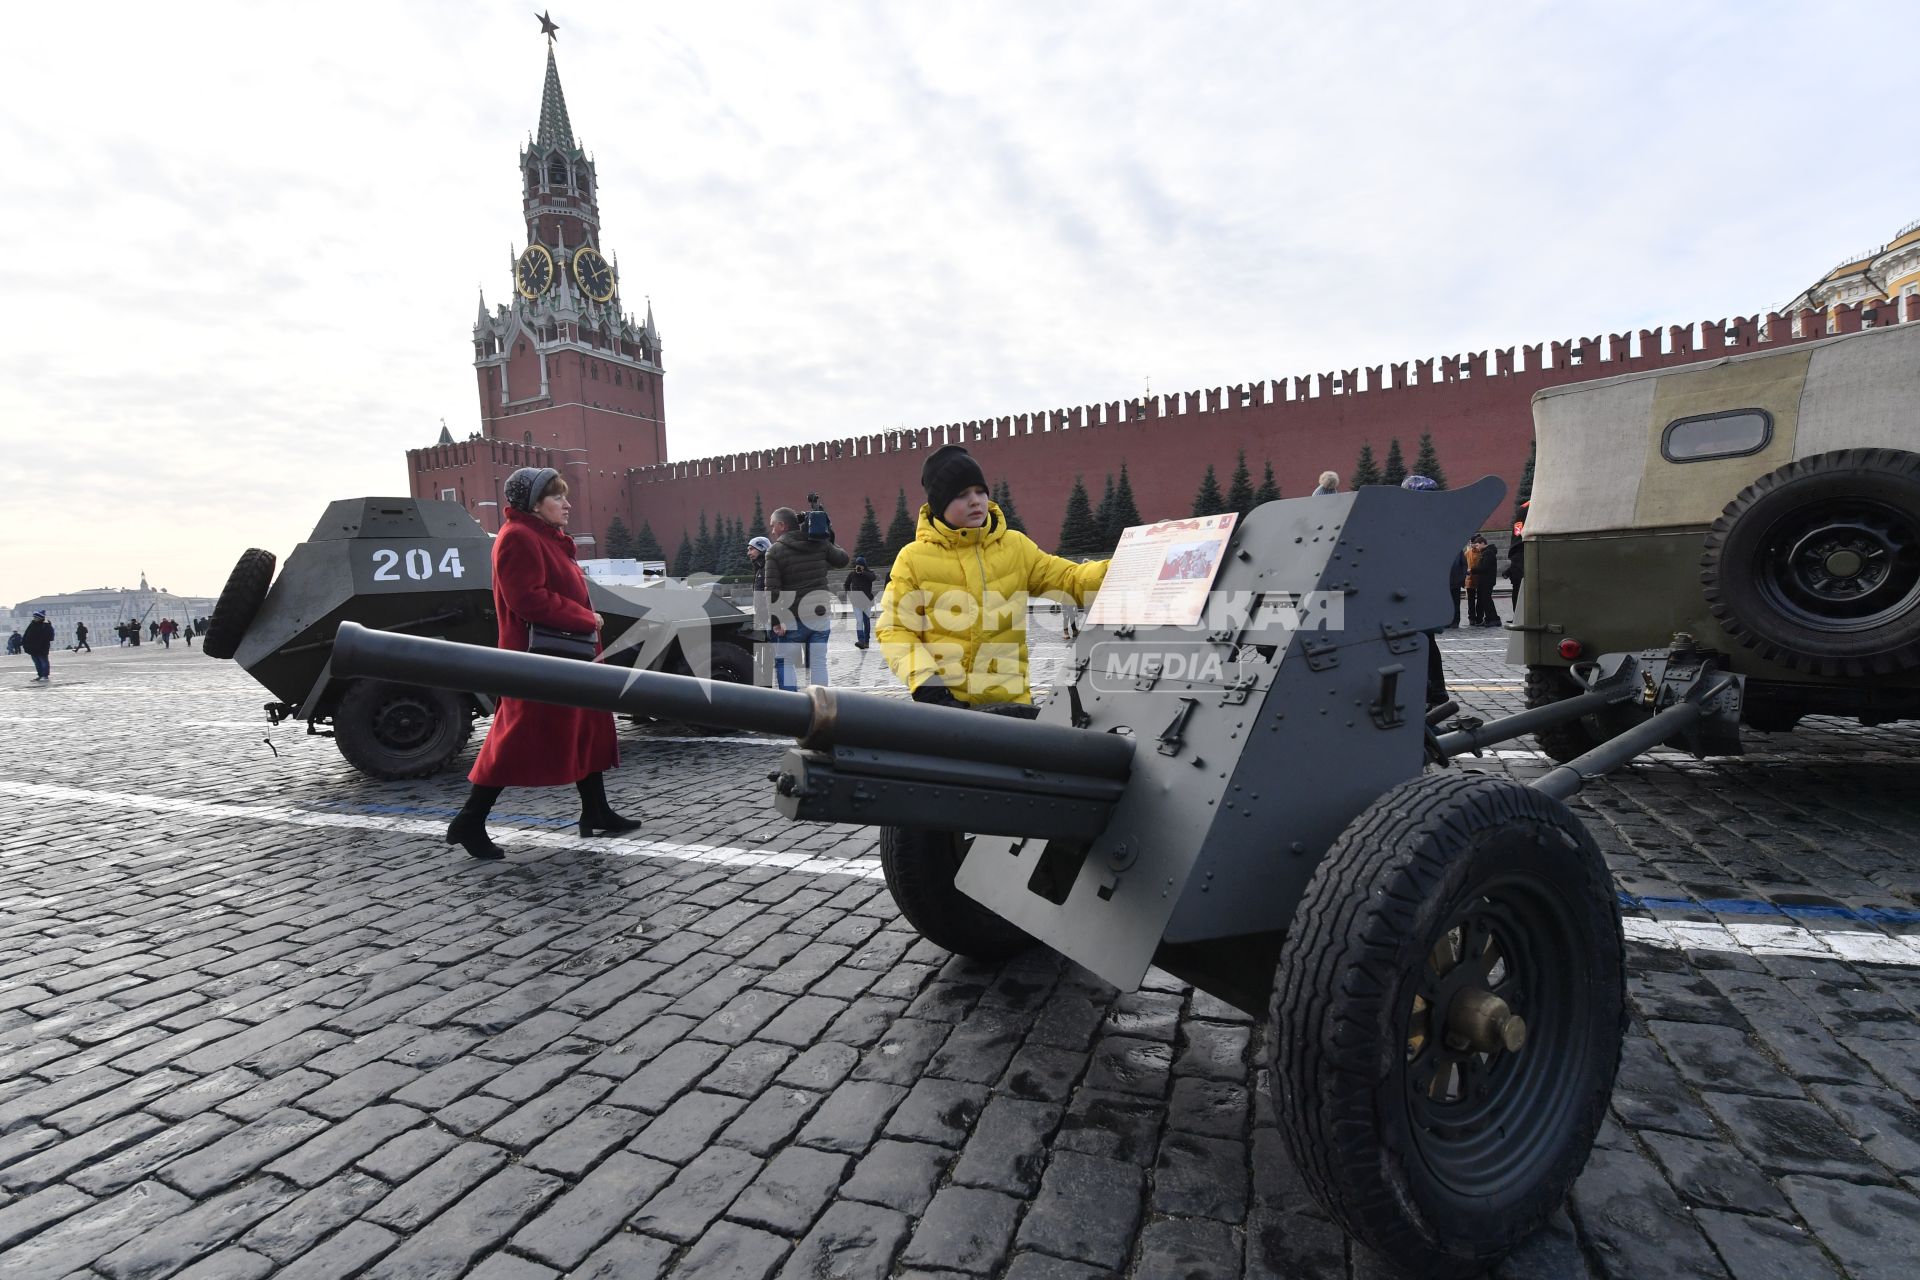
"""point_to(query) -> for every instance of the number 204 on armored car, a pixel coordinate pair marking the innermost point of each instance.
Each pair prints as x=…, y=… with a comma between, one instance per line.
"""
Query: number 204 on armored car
x=1766, y=505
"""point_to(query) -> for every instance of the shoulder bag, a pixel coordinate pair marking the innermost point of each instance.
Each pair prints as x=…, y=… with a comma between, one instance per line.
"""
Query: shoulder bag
x=555, y=643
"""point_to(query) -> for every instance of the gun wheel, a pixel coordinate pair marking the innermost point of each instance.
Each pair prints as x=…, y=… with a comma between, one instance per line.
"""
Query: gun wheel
x=1447, y=1018
x=920, y=867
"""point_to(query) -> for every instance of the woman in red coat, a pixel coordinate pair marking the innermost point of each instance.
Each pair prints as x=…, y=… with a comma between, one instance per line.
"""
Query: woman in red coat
x=536, y=744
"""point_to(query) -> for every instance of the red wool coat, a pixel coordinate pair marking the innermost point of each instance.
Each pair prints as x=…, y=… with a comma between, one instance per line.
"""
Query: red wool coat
x=536, y=744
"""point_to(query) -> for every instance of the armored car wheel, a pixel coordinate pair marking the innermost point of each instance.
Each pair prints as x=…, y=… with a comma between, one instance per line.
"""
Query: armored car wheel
x=391, y=731
x=731, y=662
x=239, y=600
x=920, y=867
x=1447, y=1018
x=1817, y=565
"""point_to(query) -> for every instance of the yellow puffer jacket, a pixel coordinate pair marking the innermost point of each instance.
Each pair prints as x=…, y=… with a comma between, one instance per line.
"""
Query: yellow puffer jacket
x=956, y=606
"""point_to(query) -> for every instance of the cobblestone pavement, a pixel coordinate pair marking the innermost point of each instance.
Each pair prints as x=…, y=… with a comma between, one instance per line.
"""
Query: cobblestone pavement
x=256, y=1019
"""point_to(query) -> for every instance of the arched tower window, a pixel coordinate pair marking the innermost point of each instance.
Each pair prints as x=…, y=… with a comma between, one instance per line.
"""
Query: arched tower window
x=528, y=437
x=533, y=179
x=556, y=172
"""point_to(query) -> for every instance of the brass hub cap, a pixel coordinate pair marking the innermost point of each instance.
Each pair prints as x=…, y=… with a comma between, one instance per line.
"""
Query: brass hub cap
x=1481, y=1020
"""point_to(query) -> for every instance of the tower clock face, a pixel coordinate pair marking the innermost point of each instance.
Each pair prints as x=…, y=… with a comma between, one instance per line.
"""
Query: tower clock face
x=594, y=274
x=534, y=271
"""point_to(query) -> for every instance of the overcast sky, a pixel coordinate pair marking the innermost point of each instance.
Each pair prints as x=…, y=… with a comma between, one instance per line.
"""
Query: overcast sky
x=242, y=244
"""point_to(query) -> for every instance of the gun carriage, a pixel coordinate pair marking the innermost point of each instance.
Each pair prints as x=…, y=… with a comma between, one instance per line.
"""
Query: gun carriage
x=1262, y=809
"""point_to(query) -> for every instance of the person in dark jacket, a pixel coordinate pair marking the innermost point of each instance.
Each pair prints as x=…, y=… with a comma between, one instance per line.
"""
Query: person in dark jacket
x=860, y=600
x=538, y=744
x=797, y=587
x=1517, y=556
x=37, y=641
x=80, y=638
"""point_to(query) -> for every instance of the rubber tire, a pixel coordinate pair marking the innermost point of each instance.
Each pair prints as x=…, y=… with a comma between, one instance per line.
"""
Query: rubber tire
x=1735, y=543
x=920, y=866
x=1773, y=720
x=731, y=662
x=353, y=730
x=239, y=601
x=1563, y=742
x=1337, y=1050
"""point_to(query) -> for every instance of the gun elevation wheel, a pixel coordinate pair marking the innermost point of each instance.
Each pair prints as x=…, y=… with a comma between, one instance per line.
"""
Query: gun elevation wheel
x=920, y=867
x=388, y=730
x=1447, y=1018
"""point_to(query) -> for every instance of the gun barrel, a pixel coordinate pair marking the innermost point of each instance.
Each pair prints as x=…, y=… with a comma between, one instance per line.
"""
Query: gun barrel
x=819, y=718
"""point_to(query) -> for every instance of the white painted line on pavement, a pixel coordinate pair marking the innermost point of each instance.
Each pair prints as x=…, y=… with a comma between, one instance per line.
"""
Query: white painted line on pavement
x=1867, y=755
x=1775, y=940
x=1754, y=938
x=862, y=868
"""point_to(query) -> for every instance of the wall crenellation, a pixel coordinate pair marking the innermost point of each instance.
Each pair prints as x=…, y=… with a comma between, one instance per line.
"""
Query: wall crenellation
x=1597, y=356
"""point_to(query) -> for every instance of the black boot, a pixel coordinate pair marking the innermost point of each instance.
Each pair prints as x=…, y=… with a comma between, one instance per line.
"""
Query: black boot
x=596, y=815
x=469, y=826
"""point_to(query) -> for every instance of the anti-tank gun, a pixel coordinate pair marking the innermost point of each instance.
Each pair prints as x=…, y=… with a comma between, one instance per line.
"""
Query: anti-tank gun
x=1259, y=806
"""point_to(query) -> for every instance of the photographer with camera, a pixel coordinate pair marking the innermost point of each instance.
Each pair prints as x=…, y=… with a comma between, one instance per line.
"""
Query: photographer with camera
x=797, y=567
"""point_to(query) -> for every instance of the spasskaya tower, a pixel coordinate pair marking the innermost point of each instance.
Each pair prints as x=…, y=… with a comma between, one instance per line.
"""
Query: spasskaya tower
x=567, y=376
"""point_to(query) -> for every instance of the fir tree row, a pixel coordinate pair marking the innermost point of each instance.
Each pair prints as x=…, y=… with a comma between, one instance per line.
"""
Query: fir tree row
x=1086, y=530
x=1426, y=462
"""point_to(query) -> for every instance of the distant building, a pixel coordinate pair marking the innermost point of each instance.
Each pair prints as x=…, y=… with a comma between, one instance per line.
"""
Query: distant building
x=102, y=608
x=1889, y=273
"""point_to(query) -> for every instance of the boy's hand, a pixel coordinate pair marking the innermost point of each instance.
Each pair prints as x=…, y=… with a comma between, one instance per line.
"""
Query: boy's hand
x=933, y=692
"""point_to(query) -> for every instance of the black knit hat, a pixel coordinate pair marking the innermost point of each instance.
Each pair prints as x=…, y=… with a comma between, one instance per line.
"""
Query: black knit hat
x=948, y=472
x=524, y=487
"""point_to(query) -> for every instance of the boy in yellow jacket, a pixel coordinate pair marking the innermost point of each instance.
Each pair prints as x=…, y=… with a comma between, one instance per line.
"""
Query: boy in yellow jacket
x=953, y=621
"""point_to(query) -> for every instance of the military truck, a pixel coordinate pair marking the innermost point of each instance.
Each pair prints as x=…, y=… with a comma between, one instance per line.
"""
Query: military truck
x=1765, y=505
x=425, y=567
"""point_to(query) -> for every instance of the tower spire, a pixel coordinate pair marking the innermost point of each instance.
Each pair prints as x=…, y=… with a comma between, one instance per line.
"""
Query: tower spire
x=555, y=129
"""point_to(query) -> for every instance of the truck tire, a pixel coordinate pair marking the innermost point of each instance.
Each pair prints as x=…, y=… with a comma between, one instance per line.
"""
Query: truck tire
x=1816, y=566
x=1563, y=742
x=1438, y=1147
x=920, y=866
x=392, y=731
x=239, y=600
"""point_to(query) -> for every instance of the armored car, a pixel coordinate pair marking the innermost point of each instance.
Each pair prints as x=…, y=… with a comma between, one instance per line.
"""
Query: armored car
x=425, y=567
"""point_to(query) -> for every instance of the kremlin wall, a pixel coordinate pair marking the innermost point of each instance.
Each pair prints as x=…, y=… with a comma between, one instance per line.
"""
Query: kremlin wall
x=1477, y=407
x=569, y=377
